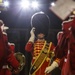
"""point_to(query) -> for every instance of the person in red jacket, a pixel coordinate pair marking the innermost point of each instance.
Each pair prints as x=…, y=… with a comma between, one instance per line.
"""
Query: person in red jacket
x=65, y=51
x=6, y=55
x=38, y=46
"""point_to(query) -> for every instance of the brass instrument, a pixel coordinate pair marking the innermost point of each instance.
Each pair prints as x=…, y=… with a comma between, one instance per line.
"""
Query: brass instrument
x=21, y=59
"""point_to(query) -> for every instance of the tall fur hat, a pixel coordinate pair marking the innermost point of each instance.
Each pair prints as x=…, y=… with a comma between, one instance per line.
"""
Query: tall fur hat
x=41, y=23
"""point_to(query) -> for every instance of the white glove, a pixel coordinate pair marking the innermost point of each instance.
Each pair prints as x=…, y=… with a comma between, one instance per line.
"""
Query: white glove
x=31, y=39
x=52, y=67
x=2, y=27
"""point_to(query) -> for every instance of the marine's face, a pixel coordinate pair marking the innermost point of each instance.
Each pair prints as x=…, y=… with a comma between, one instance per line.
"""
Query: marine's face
x=40, y=36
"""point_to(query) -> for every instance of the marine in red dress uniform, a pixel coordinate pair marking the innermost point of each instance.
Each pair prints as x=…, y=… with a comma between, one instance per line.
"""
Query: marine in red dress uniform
x=66, y=47
x=7, y=55
x=36, y=46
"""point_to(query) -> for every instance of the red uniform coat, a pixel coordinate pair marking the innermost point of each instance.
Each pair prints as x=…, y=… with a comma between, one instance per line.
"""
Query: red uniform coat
x=61, y=50
x=35, y=49
x=6, y=56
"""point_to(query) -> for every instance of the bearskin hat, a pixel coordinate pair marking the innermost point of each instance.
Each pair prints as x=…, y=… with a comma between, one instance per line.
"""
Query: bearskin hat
x=41, y=23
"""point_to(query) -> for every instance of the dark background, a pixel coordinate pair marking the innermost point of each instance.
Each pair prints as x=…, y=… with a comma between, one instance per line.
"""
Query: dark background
x=18, y=21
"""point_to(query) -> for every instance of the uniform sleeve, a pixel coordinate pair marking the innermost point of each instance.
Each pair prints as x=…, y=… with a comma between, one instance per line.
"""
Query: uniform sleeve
x=60, y=53
x=52, y=47
x=11, y=59
x=2, y=47
x=51, y=53
x=29, y=47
